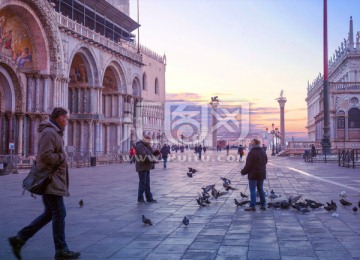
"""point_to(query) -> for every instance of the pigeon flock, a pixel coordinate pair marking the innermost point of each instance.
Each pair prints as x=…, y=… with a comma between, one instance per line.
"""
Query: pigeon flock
x=295, y=202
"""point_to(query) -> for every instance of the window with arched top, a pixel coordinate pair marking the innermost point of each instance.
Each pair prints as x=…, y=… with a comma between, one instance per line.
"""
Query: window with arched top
x=156, y=86
x=354, y=118
x=341, y=120
x=144, y=87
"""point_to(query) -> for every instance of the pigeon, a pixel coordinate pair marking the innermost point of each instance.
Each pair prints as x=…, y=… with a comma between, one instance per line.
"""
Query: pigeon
x=242, y=203
x=243, y=195
x=228, y=187
x=304, y=210
x=237, y=203
x=330, y=206
x=189, y=174
x=359, y=204
x=345, y=203
x=294, y=199
x=145, y=220
x=208, y=188
x=185, y=221
x=192, y=170
x=81, y=203
x=214, y=191
x=199, y=201
x=219, y=194
x=225, y=180
x=354, y=209
x=343, y=194
x=335, y=215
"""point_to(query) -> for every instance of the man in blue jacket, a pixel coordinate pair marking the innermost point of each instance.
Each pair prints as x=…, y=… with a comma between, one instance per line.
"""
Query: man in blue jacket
x=255, y=168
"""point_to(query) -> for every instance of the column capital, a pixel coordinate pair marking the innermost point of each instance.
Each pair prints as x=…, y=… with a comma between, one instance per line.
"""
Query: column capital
x=9, y=115
x=19, y=115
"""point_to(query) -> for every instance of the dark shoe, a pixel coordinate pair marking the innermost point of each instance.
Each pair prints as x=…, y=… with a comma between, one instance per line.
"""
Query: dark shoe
x=16, y=245
x=141, y=200
x=67, y=254
x=250, y=209
x=152, y=201
x=262, y=208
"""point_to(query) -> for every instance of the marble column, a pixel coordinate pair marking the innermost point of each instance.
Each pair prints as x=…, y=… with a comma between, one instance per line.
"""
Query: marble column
x=31, y=133
x=108, y=148
x=46, y=94
x=37, y=93
x=91, y=137
x=282, y=101
x=20, y=137
x=81, y=148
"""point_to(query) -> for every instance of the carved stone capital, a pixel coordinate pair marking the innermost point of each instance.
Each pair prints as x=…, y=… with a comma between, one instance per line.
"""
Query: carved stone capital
x=9, y=115
x=32, y=117
x=19, y=115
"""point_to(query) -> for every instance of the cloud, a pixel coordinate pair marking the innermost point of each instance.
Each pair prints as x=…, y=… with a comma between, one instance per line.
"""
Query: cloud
x=183, y=97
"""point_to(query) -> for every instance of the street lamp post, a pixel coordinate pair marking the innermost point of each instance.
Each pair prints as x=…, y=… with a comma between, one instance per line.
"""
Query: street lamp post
x=214, y=104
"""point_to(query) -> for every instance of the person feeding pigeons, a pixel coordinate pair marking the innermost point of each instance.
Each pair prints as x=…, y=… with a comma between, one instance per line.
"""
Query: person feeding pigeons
x=255, y=168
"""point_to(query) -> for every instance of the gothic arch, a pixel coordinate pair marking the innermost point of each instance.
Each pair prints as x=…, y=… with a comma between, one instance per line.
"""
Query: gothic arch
x=44, y=33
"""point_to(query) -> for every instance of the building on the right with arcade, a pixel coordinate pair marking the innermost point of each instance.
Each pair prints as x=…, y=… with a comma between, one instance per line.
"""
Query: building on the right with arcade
x=344, y=97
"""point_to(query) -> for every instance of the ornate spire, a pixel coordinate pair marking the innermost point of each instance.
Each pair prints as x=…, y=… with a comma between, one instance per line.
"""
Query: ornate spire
x=351, y=36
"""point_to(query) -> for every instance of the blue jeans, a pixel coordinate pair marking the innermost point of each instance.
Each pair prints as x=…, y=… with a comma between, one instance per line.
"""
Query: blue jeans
x=144, y=185
x=253, y=185
x=54, y=211
x=165, y=161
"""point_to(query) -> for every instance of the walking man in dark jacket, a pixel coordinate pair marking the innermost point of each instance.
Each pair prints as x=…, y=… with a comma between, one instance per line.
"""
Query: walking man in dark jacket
x=52, y=160
x=145, y=161
x=255, y=168
x=165, y=151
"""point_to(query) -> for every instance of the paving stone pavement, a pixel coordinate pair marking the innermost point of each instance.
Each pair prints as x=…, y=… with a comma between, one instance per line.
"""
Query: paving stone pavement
x=109, y=225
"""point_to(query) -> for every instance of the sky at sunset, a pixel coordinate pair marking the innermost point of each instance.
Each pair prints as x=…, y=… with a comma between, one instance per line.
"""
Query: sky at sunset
x=245, y=50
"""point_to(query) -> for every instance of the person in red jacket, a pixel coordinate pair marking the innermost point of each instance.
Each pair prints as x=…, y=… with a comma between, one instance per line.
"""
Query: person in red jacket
x=132, y=154
x=255, y=168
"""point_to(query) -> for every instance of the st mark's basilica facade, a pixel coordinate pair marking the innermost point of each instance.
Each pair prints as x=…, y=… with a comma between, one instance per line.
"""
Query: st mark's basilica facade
x=80, y=55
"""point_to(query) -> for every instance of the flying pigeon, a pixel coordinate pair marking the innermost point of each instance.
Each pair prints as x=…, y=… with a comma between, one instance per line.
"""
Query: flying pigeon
x=145, y=220
x=354, y=209
x=242, y=203
x=228, y=187
x=185, y=221
x=208, y=188
x=243, y=195
x=219, y=194
x=225, y=180
x=345, y=203
x=81, y=203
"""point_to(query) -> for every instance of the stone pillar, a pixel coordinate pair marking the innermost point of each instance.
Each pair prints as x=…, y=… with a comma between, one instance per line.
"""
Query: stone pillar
x=2, y=133
x=31, y=133
x=282, y=101
x=74, y=134
x=37, y=93
x=20, y=137
x=346, y=128
x=107, y=129
x=81, y=148
x=118, y=134
x=29, y=91
x=91, y=137
x=46, y=95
